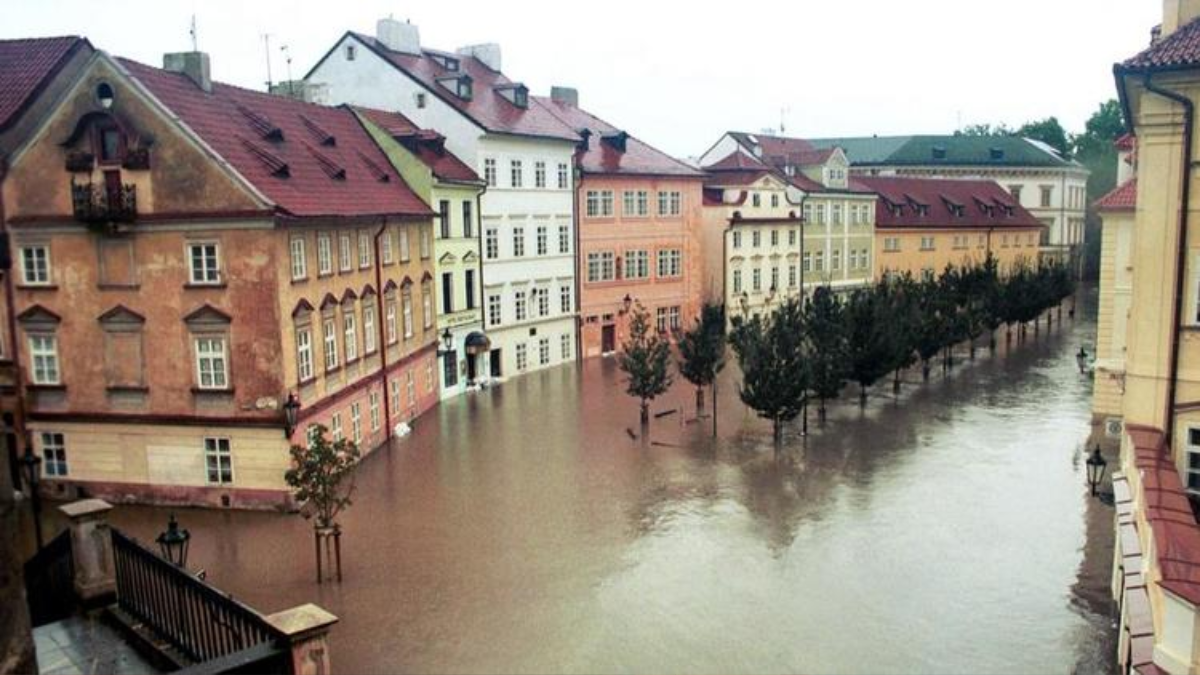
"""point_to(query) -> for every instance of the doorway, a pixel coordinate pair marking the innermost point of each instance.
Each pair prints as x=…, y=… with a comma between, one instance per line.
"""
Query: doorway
x=608, y=339
x=494, y=358
x=472, y=370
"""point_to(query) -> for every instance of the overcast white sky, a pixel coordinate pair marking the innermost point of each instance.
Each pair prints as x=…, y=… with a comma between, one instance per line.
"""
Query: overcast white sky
x=678, y=74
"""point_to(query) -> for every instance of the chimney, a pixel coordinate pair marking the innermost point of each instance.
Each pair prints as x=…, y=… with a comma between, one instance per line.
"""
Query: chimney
x=1178, y=13
x=565, y=95
x=488, y=53
x=398, y=36
x=192, y=64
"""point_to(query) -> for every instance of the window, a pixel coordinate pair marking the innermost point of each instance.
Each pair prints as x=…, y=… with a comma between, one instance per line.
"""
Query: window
x=565, y=346
x=345, y=255
x=539, y=174
x=737, y=239
x=407, y=311
x=35, y=265
x=564, y=299
x=373, y=408
x=427, y=304
x=774, y=200
x=1047, y=195
x=218, y=460
x=791, y=237
x=468, y=219
x=854, y=259
x=350, y=327
x=593, y=203
x=469, y=288
x=324, y=254
x=1015, y=191
x=774, y=237
x=203, y=265
x=669, y=262
x=601, y=266
x=493, y=310
x=385, y=248
x=791, y=276
x=518, y=242
x=637, y=264
x=891, y=244
x=737, y=281
x=544, y=351
x=543, y=246
x=491, y=244
x=54, y=454
x=835, y=262
x=667, y=319
x=808, y=212
x=774, y=278
x=390, y=321
x=370, y=337
x=444, y=217
x=543, y=298
x=807, y=261
x=450, y=369
x=299, y=262
x=519, y=304
x=1193, y=461
x=864, y=258
x=304, y=355
x=421, y=99
x=329, y=335
x=410, y=387
x=424, y=240
x=629, y=203
x=489, y=172
x=429, y=377
x=836, y=214
x=756, y=200
x=515, y=173
x=564, y=239
x=356, y=422
x=335, y=426
x=1004, y=241
x=671, y=203
x=351, y=52
x=447, y=292
x=522, y=359
x=364, y=250
x=854, y=218
x=756, y=239
x=394, y=396
x=562, y=176
x=211, y=368
x=756, y=279
x=819, y=214
x=405, y=253
x=820, y=261
x=606, y=203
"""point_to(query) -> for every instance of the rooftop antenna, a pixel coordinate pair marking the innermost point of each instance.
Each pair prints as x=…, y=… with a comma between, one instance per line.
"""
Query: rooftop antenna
x=267, y=46
x=192, y=32
x=287, y=56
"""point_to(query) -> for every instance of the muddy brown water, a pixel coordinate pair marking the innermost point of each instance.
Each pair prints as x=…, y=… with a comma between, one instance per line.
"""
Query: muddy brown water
x=522, y=530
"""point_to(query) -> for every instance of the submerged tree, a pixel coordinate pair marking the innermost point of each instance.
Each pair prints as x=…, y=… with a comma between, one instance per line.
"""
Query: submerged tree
x=868, y=339
x=322, y=481
x=702, y=354
x=775, y=374
x=645, y=357
x=825, y=321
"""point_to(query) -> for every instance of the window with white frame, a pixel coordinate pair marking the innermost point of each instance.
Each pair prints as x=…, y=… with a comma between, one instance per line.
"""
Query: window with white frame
x=519, y=305
x=324, y=254
x=669, y=262
x=350, y=328
x=774, y=237
x=345, y=255
x=370, y=337
x=516, y=173
x=329, y=335
x=522, y=357
x=593, y=203
x=565, y=346
x=544, y=351
x=539, y=174
x=427, y=304
x=212, y=368
x=218, y=460
x=489, y=171
x=864, y=258
x=737, y=281
x=637, y=264
x=563, y=176
x=35, y=265
x=791, y=276
x=543, y=299
x=204, y=266
x=756, y=279
x=755, y=200
x=518, y=242
x=606, y=203
x=493, y=309
x=670, y=203
x=774, y=200
x=405, y=249
x=491, y=244
x=423, y=238
x=1192, y=475
x=356, y=422
x=335, y=426
x=543, y=240
x=390, y=321
x=601, y=266
x=667, y=319
x=628, y=201
x=564, y=299
x=304, y=355
x=373, y=408
x=299, y=261
x=819, y=261
x=410, y=387
x=835, y=262
x=854, y=259
x=364, y=250
x=807, y=264
x=564, y=239
x=891, y=244
x=737, y=239
x=755, y=238
x=385, y=248
x=407, y=312
x=43, y=353
x=54, y=454
x=395, y=395
x=775, y=278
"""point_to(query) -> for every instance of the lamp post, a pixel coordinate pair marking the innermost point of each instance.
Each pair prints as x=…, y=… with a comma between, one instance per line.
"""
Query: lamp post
x=1081, y=359
x=174, y=543
x=291, y=408
x=1095, y=469
x=626, y=303
x=447, y=343
x=31, y=463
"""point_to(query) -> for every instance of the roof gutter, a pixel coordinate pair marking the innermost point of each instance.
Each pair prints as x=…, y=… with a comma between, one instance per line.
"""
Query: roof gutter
x=1181, y=245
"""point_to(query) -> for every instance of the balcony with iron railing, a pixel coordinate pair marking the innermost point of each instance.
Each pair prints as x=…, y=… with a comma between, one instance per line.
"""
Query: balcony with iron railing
x=95, y=203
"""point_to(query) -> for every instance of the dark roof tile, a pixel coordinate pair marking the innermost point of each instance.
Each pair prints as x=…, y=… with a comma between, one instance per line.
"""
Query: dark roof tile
x=26, y=66
x=985, y=204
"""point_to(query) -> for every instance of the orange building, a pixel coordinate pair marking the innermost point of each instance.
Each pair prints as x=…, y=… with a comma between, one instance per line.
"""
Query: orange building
x=190, y=255
x=639, y=211
x=924, y=224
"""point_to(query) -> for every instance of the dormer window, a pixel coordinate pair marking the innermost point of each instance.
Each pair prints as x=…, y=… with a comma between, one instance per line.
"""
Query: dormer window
x=448, y=62
x=939, y=152
x=616, y=140
x=516, y=94
x=996, y=154
x=110, y=142
x=460, y=86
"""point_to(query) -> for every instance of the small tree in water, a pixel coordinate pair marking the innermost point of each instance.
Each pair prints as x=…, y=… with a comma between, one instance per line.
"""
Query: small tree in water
x=702, y=352
x=825, y=319
x=645, y=357
x=772, y=356
x=322, y=481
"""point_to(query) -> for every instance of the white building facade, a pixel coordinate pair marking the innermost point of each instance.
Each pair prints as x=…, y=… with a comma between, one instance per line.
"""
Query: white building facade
x=523, y=153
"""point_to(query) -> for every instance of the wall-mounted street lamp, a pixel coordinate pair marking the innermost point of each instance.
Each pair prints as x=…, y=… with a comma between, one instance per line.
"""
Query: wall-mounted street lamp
x=744, y=301
x=174, y=543
x=291, y=409
x=626, y=303
x=1081, y=359
x=447, y=343
x=1095, y=469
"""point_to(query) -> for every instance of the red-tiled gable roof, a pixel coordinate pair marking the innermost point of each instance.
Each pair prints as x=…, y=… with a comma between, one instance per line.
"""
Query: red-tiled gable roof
x=738, y=161
x=604, y=157
x=26, y=66
x=785, y=149
x=429, y=146
x=487, y=106
x=1180, y=49
x=983, y=203
x=805, y=183
x=310, y=160
x=1121, y=198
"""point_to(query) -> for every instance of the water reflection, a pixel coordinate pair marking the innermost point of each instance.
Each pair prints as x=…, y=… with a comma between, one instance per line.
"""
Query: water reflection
x=523, y=530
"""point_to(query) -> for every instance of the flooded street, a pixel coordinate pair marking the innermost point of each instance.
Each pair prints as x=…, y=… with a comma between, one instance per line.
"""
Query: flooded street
x=522, y=530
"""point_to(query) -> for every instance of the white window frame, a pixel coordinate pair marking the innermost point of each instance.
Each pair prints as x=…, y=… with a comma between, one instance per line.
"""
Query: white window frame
x=39, y=273
x=324, y=253
x=350, y=331
x=373, y=410
x=44, y=364
x=216, y=362
x=54, y=455
x=304, y=355
x=494, y=310
x=218, y=458
x=370, y=337
x=356, y=422
x=364, y=250
x=299, y=259
x=407, y=312
x=206, y=274
x=329, y=337
x=345, y=257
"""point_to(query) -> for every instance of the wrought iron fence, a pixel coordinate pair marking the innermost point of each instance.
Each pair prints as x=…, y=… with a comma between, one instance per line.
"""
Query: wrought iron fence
x=98, y=203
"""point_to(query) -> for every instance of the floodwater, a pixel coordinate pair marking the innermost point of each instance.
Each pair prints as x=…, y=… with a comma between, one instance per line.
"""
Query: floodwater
x=522, y=530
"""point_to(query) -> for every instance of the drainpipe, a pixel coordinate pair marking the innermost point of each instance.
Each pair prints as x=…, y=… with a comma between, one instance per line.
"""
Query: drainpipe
x=1181, y=246
x=18, y=372
x=380, y=318
x=576, y=159
x=483, y=322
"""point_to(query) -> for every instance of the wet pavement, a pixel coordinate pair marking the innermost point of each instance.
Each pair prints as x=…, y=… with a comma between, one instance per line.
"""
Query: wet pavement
x=521, y=529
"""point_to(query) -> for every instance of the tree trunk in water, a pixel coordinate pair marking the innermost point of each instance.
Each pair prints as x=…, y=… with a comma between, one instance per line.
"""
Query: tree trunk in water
x=804, y=418
x=896, y=382
x=972, y=349
x=992, y=341
x=645, y=416
x=950, y=356
x=1037, y=325
x=925, y=370
x=714, y=402
x=862, y=395
x=1008, y=335
x=699, y=400
x=778, y=431
x=821, y=412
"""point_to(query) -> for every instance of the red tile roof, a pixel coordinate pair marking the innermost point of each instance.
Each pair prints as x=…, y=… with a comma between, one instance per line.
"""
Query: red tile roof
x=1180, y=49
x=310, y=160
x=603, y=157
x=1121, y=198
x=26, y=66
x=429, y=146
x=487, y=106
x=982, y=203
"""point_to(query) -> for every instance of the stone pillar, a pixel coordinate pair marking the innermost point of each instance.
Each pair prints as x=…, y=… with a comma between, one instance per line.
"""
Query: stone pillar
x=306, y=631
x=91, y=551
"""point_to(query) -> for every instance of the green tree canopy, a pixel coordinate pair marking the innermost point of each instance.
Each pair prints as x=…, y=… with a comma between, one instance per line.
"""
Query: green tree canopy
x=702, y=350
x=772, y=356
x=645, y=357
x=321, y=476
